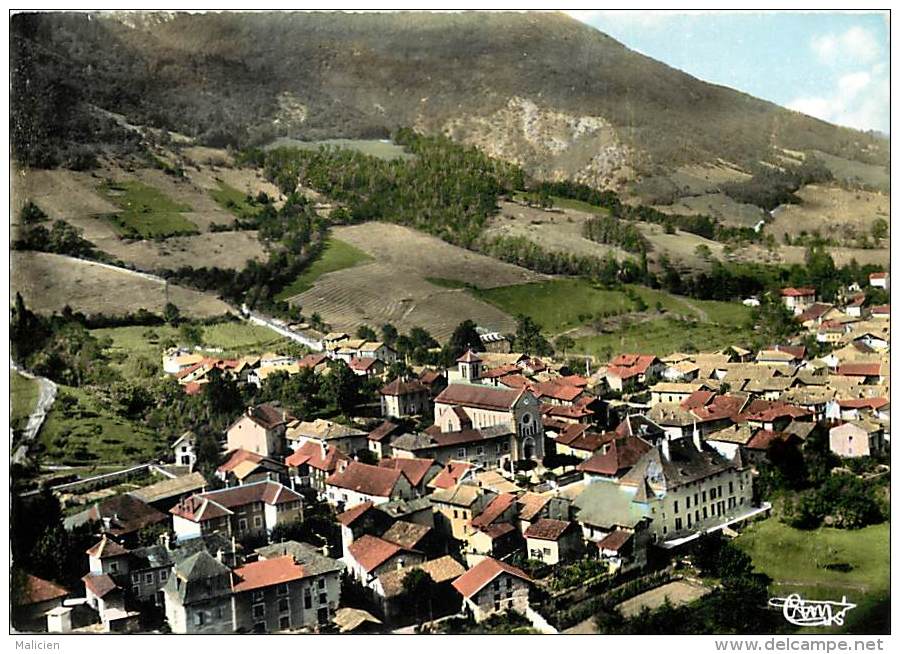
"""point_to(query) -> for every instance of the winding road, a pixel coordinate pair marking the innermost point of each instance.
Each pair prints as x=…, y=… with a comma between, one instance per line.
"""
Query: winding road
x=46, y=397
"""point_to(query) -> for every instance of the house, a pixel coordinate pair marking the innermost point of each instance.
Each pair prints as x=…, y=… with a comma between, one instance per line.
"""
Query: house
x=672, y=392
x=627, y=370
x=455, y=507
x=248, y=510
x=417, y=471
x=728, y=441
x=491, y=532
x=880, y=280
x=312, y=463
x=37, y=597
x=359, y=520
x=493, y=341
x=857, y=438
x=854, y=308
x=877, y=408
x=872, y=341
x=198, y=596
x=380, y=438
x=881, y=312
x=361, y=482
x=798, y=300
x=777, y=358
x=480, y=406
x=453, y=473
x=492, y=587
x=402, y=397
x=245, y=467
x=357, y=622
x=758, y=449
x=622, y=550
x=175, y=360
x=868, y=373
x=489, y=448
x=816, y=314
x=370, y=556
x=435, y=380
x=553, y=541
x=120, y=516
x=366, y=366
x=443, y=600
x=616, y=457
x=290, y=587
x=261, y=430
x=347, y=439
x=163, y=495
x=185, y=450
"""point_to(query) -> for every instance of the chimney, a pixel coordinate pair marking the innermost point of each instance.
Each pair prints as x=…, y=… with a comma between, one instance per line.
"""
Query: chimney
x=324, y=449
x=220, y=555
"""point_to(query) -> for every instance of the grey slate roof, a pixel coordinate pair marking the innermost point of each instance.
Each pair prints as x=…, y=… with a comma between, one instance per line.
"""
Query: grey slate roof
x=199, y=577
x=684, y=465
x=608, y=504
x=313, y=561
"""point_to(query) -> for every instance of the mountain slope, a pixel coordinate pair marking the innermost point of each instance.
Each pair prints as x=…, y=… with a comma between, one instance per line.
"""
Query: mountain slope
x=544, y=90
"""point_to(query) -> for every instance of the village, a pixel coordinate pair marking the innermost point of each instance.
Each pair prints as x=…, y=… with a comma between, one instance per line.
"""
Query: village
x=508, y=485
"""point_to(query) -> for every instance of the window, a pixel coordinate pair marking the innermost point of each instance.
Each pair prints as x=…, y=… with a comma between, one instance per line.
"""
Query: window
x=546, y=551
x=497, y=605
x=461, y=452
x=282, y=589
x=307, y=601
x=242, y=524
x=259, y=611
x=283, y=606
x=676, y=506
x=148, y=578
x=284, y=622
x=163, y=575
x=136, y=577
x=687, y=502
x=323, y=598
x=704, y=496
x=479, y=451
x=199, y=618
x=257, y=521
x=455, y=513
x=526, y=419
x=704, y=513
x=677, y=524
x=114, y=567
x=257, y=596
x=712, y=493
x=321, y=582
x=136, y=590
x=730, y=487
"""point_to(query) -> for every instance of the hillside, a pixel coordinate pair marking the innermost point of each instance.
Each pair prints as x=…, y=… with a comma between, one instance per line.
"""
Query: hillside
x=542, y=90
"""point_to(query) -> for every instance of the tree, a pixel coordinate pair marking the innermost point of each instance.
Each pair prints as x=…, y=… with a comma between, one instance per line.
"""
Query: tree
x=464, y=337
x=171, y=314
x=190, y=334
x=564, y=342
x=223, y=397
x=529, y=339
x=366, y=333
x=418, y=594
x=879, y=228
x=340, y=387
x=702, y=251
x=388, y=334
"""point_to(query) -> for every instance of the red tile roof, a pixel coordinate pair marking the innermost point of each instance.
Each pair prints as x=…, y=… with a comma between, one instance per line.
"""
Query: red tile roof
x=763, y=439
x=483, y=397
x=722, y=406
x=864, y=403
x=312, y=360
x=106, y=548
x=99, y=585
x=615, y=540
x=494, y=510
x=267, y=572
x=573, y=411
x=570, y=432
x=310, y=453
x=362, y=363
x=882, y=309
x=561, y=392
x=450, y=475
x=638, y=362
x=697, y=399
x=515, y=381
x=500, y=371
x=382, y=431
x=790, y=291
x=366, y=479
x=485, y=572
x=776, y=410
x=39, y=590
x=429, y=377
x=573, y=380
x=547, y=529
x=860, y=369
x=215, y=504
x=352, y=514
x=414, y=469
x=622, y=454
x=193, y=388
x=878, y=275
x=237, y=457
x=371, y=551
x=815, y=312
x=469, y=357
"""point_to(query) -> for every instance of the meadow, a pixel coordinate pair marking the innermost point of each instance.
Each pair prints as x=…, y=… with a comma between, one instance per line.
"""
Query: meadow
x=336, y=255
x=145, y=212
x=24, y=394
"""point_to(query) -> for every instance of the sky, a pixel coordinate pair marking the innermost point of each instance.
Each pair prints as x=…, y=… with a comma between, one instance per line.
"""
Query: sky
x=834, y=66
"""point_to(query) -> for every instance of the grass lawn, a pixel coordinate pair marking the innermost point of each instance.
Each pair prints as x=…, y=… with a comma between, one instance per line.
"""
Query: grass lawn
x=794, y=559
x=236, y=202
x=577, y=205
x=145, y=211
x=87, y=433
x=336, y=255
x=24, y=394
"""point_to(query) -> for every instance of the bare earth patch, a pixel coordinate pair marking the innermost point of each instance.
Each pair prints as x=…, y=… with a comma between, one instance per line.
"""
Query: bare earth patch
x=832, y=210
x=678, y=593
x=49, y=282
x=559, y=230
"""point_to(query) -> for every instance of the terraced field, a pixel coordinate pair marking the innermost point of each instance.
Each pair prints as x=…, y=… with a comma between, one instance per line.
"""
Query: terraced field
x=394, y=287
x=49, y=282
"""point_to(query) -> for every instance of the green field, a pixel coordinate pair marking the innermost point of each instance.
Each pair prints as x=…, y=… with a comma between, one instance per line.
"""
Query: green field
x=234, y=339
x=234, y=201
x=795, y=561
x=371, y=147
x=336, y=255
x=577, y=205
x=145, y=211
x=661, y=336
x=24, y=394
x=86, y=433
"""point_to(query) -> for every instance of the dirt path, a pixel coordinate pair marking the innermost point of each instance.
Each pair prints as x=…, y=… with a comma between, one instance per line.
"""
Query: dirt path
x=701, y=314
x=46, y=398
